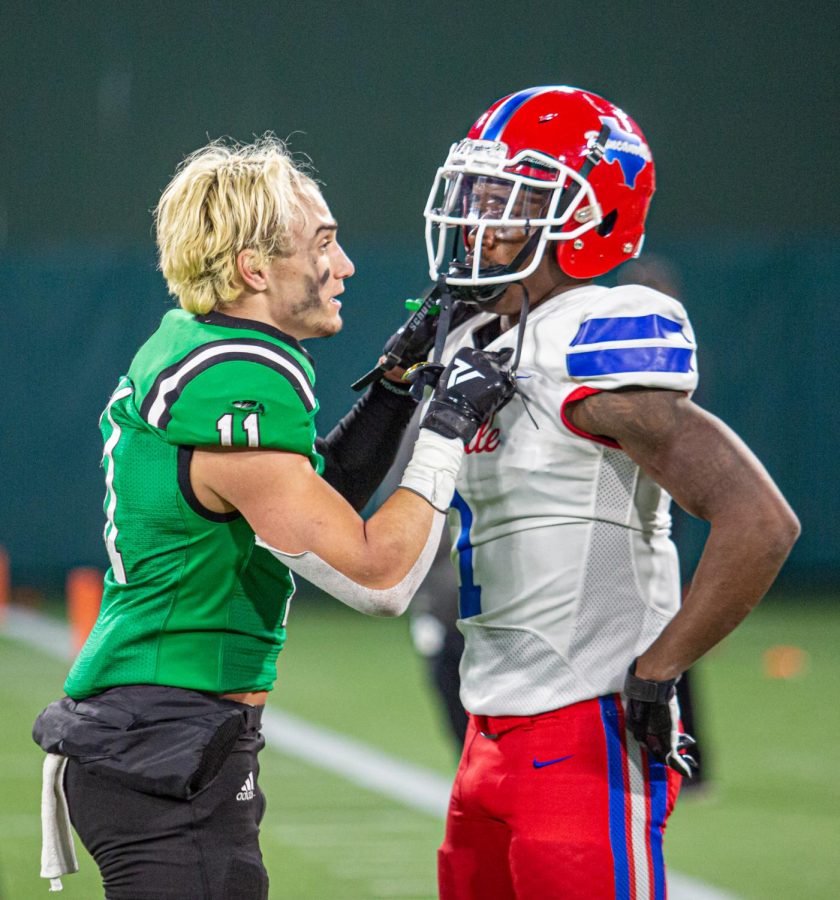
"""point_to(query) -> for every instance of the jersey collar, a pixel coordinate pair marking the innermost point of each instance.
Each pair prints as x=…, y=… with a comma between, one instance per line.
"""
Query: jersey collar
x=217, y=318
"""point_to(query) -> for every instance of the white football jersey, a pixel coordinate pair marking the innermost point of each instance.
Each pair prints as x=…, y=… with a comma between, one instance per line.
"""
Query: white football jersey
x=567, y=571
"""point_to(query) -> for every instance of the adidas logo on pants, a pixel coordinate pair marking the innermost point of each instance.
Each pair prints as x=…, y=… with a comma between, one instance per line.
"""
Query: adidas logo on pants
x=247, y=792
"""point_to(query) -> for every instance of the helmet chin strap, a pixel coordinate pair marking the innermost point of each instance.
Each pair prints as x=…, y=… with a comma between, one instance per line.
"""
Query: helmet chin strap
x=487, y=294
x=520, y=337
x=520, y=331
x=482, y=297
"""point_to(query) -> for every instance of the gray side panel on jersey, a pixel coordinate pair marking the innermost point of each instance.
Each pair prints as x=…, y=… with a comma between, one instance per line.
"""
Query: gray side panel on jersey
x=512, y=672
x=615, y=617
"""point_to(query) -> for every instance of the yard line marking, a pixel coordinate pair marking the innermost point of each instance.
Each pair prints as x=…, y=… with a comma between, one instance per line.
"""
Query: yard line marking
x=413, y=786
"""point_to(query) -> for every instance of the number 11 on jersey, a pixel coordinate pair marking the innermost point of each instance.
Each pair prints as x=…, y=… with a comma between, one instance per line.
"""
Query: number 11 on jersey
x=250, y=424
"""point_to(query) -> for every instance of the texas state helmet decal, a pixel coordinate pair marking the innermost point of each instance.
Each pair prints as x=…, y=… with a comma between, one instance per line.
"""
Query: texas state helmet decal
x=627, y=150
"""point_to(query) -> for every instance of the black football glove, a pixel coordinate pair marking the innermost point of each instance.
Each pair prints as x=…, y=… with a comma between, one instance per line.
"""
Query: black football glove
x=406, y=347
x=653, y=718
x=470, y=389
x=412, y=344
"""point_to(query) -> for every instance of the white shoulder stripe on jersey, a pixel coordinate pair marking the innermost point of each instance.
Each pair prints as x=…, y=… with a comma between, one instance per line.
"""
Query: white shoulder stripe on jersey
x=158, y=407
x=110, y=532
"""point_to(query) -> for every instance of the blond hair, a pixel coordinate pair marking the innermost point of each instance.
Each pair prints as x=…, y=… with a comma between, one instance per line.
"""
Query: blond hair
x=225, y=198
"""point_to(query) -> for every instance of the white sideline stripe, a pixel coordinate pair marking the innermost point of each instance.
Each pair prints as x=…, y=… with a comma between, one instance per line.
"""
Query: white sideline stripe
x=417, y=788
x=410, y=785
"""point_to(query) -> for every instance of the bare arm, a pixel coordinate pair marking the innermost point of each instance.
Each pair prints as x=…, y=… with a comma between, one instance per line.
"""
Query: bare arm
x=713, y=475
x=290, y=507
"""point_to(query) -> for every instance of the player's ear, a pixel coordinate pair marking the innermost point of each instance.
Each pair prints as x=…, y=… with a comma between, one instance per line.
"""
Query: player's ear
x=248, y=265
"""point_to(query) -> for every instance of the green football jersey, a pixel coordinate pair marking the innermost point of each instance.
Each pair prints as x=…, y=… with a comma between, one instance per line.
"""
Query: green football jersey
x=189, y=600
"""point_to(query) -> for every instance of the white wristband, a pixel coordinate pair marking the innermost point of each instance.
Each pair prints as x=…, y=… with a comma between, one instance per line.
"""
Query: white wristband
x=433, y=468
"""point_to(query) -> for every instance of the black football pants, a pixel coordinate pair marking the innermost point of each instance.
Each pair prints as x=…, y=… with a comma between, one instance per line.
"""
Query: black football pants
x=158, y=848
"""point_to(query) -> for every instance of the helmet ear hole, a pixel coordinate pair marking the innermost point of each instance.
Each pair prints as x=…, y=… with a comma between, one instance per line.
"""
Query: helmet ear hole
x=607, y=224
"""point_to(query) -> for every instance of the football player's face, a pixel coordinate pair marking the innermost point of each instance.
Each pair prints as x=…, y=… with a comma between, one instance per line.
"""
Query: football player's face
x=304, y=287
x=500, y=245
x=488, y=199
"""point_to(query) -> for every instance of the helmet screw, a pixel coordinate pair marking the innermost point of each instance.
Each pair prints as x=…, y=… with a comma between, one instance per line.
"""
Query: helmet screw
x=578, y=244
x=627, y=248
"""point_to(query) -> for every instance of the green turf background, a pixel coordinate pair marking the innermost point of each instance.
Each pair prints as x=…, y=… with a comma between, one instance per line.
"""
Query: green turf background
x=768, y=827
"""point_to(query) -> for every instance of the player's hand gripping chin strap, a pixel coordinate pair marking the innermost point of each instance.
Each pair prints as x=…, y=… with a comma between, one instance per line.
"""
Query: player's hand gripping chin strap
x=392, y=601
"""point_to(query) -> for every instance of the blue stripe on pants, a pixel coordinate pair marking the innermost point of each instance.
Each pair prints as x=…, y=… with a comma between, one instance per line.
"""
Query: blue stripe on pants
x=658, y=774
x=619, y=796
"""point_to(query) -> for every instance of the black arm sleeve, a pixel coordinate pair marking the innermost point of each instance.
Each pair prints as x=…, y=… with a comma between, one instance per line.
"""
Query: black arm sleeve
x=360, y=450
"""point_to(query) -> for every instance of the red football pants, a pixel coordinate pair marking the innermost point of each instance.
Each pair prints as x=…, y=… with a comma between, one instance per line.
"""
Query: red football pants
x=561, y=805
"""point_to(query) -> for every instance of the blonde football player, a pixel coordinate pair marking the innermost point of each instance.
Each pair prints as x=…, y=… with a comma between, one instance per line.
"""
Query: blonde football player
x=214, y=495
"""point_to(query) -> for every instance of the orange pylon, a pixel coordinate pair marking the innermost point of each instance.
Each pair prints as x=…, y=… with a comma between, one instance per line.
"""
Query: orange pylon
x=84, y=597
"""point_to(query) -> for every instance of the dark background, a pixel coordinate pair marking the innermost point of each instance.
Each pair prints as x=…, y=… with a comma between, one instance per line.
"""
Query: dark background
x=100, y=101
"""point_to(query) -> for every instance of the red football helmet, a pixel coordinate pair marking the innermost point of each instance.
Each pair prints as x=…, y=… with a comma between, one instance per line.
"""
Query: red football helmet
x=548, y=164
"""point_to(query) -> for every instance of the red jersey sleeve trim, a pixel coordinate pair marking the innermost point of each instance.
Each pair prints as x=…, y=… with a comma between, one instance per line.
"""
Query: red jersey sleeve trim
x=579, y=394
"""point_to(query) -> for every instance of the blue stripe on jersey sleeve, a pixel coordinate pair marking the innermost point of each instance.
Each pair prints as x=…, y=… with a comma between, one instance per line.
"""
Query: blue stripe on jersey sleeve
x=625, y=328
x=631, y=359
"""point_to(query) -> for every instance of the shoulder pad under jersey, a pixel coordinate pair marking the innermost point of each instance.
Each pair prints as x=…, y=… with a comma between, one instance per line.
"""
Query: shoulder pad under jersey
x=633, y=336
x=236, y=392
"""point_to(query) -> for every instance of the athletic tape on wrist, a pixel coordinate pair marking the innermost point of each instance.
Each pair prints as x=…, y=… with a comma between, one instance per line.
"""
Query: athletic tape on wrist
x=433, y=468
x=391, y=601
